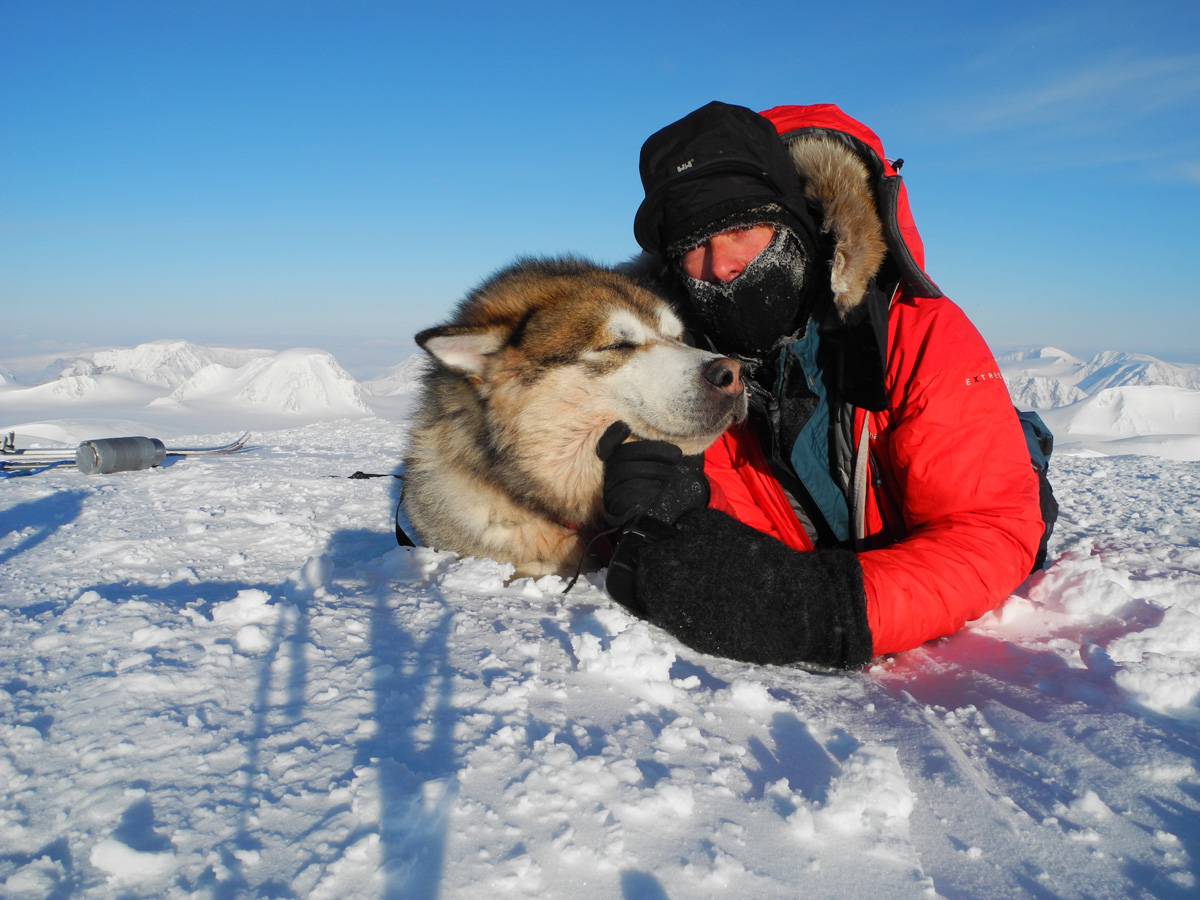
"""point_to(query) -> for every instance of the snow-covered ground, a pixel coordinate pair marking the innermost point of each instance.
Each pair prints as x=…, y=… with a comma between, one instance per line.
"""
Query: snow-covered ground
x=221, y=678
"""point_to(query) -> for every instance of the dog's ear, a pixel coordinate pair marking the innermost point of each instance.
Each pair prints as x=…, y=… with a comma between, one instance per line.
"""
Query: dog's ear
x=460, y=348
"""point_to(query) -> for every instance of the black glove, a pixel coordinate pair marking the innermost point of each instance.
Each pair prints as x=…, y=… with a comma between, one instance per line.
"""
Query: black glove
x=724, y=588
x=648, y=478
x=647, y=485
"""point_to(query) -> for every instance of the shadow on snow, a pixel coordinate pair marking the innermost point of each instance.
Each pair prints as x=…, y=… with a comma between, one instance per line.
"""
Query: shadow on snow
x=411, y=750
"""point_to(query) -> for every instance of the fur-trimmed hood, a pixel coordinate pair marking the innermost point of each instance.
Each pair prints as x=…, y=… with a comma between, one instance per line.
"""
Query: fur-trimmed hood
x=862, y=199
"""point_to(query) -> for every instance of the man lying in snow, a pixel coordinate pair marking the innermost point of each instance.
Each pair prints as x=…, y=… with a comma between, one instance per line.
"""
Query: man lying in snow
x=881, y=493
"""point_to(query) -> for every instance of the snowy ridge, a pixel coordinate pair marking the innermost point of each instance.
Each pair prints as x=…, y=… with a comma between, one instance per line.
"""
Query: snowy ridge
x=1044, y=378
x=1042, y=353
x=246, y=387
x=1113, y=403
x=293, y=381
x=1113, y=369
x=164, y=363
x=1122, y=412
x=402, y=380
x=1042, y=392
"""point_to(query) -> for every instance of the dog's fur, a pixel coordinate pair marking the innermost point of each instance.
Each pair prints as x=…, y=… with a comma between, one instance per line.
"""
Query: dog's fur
x=533, y=368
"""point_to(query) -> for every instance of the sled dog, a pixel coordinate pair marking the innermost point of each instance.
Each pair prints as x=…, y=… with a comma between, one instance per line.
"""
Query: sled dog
x=535, y=365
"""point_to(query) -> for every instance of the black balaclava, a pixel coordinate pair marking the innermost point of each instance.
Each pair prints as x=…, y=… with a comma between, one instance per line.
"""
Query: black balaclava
x=765, y=307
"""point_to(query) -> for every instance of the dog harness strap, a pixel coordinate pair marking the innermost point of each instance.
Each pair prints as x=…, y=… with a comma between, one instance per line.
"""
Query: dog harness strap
x=402, y=538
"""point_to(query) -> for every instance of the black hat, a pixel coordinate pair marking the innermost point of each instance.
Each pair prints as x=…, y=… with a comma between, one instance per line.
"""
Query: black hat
x=716, y=168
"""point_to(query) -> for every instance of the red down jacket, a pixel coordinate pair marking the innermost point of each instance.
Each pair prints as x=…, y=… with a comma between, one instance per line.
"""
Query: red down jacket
x=951, y=513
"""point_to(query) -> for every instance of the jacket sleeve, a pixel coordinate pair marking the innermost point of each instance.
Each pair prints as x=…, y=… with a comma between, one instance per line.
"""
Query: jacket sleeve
x=952, y=459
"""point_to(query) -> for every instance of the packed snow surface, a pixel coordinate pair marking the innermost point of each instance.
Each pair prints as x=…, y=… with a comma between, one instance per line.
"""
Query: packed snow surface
x=222, y=678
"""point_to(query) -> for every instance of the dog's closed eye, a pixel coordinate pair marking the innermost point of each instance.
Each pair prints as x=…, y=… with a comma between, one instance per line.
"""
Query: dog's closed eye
x=619, y=345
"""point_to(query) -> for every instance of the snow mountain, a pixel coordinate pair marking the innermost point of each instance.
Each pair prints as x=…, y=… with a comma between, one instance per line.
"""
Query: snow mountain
x=1112, y=369
x=1110, y=402
x=1041, y=392
x=401, y=380
x=162, y=363
x=245, y=386
x=1049, y=377
x=294, y=381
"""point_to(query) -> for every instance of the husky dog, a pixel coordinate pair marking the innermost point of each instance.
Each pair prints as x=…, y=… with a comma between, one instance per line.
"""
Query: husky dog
x=537, y=362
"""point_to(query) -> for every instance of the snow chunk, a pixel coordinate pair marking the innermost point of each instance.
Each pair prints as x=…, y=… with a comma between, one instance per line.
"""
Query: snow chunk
x=749, y=695
x=36, y=879
x=476, y=575
x=314, y=576
x=871, y=794
x=1161, y=665
x=252, y=640
x=250, y=607
x=670, y=800
x=124, y=863
x=632, y=657
x=249, y=612
x=357, y=873
x=1089, y=805
x=1080, y=585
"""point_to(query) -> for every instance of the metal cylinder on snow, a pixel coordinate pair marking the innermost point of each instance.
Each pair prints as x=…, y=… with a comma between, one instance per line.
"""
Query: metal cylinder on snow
x=124, y=454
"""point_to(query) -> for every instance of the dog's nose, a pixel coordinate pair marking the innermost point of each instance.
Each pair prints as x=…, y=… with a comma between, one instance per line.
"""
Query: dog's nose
x=725, y=375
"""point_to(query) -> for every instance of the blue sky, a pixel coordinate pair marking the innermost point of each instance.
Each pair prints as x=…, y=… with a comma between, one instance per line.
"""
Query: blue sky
x=338, y=174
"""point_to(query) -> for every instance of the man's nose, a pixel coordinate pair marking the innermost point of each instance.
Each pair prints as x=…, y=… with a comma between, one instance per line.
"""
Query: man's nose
x=725, y=263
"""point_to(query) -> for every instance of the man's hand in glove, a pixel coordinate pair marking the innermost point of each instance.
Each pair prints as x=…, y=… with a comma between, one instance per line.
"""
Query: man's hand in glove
x=724, y=588
x=718, y=585
x=647, y=486
x=648, y=478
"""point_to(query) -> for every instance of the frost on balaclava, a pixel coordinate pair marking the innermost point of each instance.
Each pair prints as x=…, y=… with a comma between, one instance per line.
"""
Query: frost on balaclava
x=766, y=306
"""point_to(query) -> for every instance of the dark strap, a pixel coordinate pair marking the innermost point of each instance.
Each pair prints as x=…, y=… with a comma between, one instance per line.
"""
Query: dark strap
x=401, y=538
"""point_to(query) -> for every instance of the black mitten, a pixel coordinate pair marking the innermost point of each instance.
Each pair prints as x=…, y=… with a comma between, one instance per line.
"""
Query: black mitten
x=648, y=478
x=729, y=590
x=647, y=485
